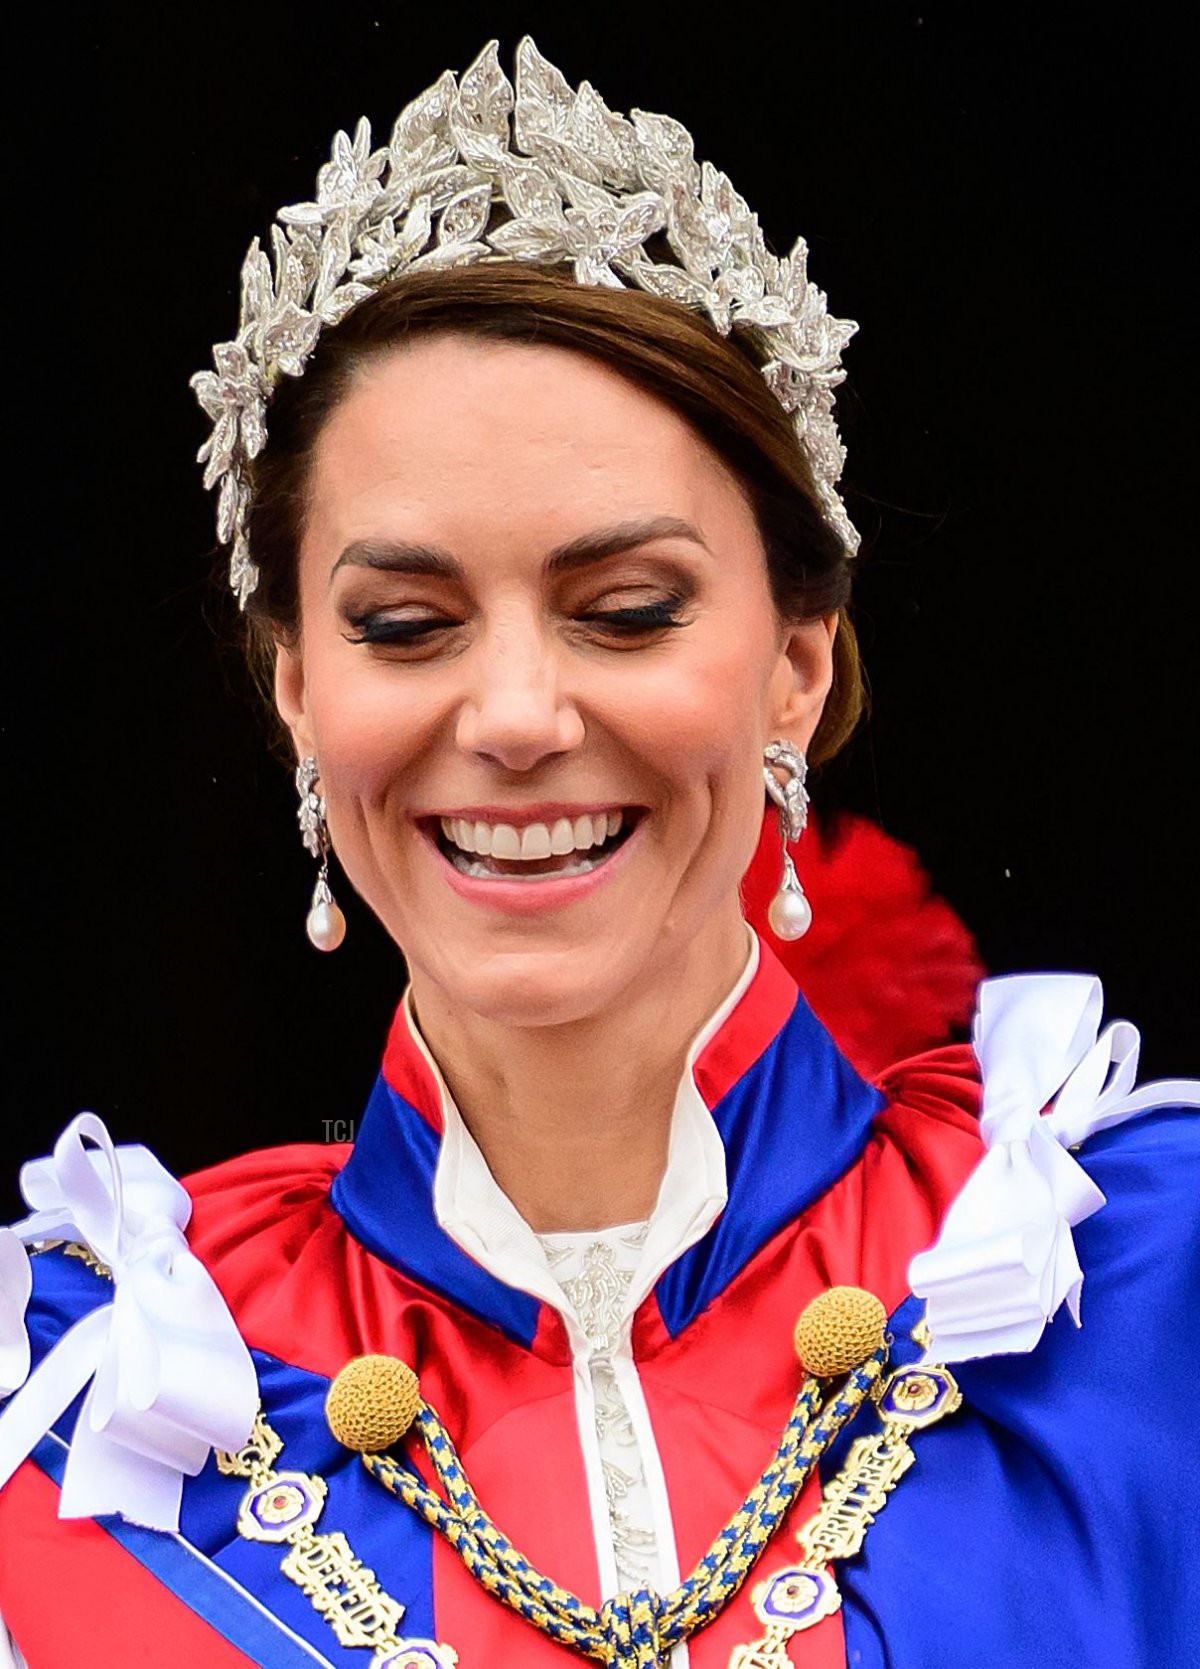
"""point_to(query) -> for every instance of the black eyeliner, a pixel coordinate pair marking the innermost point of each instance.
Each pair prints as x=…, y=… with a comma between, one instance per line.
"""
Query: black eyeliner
x=372, y=629
x=639, y=617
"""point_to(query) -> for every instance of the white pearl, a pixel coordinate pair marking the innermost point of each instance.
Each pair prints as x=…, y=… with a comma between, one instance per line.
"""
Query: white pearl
x=326, y=926
x=790, y=914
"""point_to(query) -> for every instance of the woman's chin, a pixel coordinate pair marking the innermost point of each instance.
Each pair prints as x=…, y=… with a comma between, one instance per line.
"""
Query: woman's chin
x=531, y=986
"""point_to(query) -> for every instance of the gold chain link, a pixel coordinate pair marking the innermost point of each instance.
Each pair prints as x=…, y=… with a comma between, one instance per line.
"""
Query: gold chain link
x=283, y=1507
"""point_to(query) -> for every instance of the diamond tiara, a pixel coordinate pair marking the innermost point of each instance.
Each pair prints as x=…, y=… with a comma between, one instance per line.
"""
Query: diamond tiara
x=583, y=187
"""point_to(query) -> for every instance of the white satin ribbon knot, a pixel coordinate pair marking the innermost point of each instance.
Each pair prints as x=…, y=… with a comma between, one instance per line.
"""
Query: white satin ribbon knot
x=171, y=1377
x=1005, y=1259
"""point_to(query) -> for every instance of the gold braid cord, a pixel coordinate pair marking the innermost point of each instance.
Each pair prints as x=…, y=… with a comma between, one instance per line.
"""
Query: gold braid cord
x=375, y=1401
x=630, y=1631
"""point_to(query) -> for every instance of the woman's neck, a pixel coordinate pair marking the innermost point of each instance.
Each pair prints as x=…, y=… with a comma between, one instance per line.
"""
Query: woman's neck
x=574, y=1121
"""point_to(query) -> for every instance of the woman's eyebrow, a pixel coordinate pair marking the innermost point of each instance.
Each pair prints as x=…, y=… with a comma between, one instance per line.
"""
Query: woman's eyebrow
x=398, y=556
x=622, y=536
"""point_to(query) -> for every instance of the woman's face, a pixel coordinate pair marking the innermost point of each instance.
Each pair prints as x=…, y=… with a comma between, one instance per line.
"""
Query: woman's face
x=534, y=610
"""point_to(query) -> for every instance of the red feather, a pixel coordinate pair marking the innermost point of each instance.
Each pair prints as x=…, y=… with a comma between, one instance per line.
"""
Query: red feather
x=886, y=965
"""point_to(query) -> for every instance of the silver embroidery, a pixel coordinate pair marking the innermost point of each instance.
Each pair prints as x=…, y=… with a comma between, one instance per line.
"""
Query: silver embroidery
x=595, y=1276
x=633, y=1540
x=598, y=1292
x=613, y=1419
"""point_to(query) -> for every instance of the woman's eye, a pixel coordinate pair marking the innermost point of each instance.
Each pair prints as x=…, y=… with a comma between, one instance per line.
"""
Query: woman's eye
x=382, y=628
x=637, y=617
x=633, y=620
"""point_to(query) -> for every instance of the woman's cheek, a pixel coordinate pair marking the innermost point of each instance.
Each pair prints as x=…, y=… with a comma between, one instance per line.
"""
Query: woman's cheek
x=367, y=731
x=685, y=700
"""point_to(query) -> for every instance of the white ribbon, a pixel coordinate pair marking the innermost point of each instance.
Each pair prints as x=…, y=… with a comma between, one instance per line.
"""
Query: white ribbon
x=1005, y=1260
x=171, y=1377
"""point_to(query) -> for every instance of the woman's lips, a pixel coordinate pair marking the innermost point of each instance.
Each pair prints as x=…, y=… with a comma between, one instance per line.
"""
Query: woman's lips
x=524, y=887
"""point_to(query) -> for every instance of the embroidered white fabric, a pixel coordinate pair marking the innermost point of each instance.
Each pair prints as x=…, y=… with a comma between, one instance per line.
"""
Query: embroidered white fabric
x=595, y=1270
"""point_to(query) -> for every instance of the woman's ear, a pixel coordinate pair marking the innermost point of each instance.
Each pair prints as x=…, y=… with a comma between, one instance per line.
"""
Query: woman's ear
x=291, y=697
x=802, y=679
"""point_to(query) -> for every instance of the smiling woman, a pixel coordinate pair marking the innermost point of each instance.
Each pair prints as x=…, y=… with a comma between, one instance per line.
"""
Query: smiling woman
x=527, y=462
x=512, y=684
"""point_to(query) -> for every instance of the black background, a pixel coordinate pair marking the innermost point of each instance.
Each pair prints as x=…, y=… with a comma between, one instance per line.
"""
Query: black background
x=998, y=194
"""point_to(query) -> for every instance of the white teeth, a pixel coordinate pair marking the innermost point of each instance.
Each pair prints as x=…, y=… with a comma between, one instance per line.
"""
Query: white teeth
x=479, y=871
x=535, y=842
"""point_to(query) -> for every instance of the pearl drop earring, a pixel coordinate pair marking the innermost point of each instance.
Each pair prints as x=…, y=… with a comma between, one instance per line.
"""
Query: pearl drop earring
x=326, y=925
x=789, y=913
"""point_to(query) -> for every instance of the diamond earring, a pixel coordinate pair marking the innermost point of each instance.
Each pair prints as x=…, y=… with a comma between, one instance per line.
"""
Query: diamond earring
x=789, y=913
x=326, y=925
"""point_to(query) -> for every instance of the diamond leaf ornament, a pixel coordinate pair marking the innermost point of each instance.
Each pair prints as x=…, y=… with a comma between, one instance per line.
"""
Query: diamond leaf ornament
x=479, y=169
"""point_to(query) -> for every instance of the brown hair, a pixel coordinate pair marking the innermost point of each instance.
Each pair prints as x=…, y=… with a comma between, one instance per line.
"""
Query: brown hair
x=714, y=382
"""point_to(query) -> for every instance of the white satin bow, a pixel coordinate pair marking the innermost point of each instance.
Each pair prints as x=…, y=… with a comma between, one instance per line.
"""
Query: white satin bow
x=1005, y=1260
x=171, y=1377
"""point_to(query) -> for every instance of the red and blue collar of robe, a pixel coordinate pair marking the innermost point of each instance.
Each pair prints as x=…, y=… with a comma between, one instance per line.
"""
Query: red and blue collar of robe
x=791, y=1111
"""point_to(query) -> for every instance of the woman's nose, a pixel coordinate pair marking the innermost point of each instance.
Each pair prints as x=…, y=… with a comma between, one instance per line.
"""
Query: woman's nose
x=516, y=713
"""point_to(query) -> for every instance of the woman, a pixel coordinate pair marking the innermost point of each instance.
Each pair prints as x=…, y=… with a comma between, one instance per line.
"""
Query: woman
x=550, y=577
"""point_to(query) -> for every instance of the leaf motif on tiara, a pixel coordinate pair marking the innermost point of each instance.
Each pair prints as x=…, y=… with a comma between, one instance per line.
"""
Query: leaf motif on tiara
x=232, y=395
x=665, y=154
x=337, y=304
x=232, y=503
x=600, y=236
x=243, y=572
x=425, y=118
x=544, y=98
x=672, y=283
x=288, y=338
x=479, y=169
x=465, y=216
x=528, y=239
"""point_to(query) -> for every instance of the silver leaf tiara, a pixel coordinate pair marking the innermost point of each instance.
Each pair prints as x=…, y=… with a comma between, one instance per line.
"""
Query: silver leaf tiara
x=583, y=186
